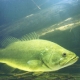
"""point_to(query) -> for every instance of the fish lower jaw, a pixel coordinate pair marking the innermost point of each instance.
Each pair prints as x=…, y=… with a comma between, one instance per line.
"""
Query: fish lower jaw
x=72, y=61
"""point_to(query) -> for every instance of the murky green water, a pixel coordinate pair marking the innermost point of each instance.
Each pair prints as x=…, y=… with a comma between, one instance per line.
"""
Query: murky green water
x=57, y=21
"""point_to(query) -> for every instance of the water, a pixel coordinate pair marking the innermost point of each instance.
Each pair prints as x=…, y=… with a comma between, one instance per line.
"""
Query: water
x=57, y=21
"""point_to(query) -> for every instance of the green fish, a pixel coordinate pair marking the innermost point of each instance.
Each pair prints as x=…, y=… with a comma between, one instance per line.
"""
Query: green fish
x=35, y=55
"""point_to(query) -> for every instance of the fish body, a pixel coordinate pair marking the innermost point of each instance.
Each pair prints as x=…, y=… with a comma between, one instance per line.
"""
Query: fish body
x=37, y=55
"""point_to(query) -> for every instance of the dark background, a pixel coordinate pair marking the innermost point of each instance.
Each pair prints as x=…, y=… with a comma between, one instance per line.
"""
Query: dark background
x=12, y=10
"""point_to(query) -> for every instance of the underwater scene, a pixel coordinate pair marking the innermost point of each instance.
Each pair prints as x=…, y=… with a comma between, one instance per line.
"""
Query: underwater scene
x=39, y=39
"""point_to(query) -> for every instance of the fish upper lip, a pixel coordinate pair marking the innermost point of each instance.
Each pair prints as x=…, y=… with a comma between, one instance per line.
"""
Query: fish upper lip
x=72, y=60
x=75, y=58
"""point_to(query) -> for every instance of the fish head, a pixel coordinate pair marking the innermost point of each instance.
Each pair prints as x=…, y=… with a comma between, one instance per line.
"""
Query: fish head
x=66, y=58
x=58, y=57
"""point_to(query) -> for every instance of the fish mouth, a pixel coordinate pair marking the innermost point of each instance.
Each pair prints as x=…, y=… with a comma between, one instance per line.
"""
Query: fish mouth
x=74, y=59
x=71, y=61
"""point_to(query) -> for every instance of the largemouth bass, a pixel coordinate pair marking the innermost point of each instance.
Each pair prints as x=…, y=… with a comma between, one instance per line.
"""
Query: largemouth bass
x=35, y=55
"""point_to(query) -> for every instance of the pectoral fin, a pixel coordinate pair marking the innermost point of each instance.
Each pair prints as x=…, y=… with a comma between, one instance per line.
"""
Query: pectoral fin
x=34, y=64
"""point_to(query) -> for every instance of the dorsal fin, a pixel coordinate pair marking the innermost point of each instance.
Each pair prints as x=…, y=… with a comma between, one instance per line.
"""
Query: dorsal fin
x=30, y=36
x=8, y=40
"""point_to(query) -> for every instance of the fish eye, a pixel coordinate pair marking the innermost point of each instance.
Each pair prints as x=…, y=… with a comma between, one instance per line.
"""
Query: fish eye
x=64, y=54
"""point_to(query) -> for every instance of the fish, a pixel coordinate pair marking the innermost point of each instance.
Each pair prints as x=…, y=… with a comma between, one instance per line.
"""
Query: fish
x=35, y=55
